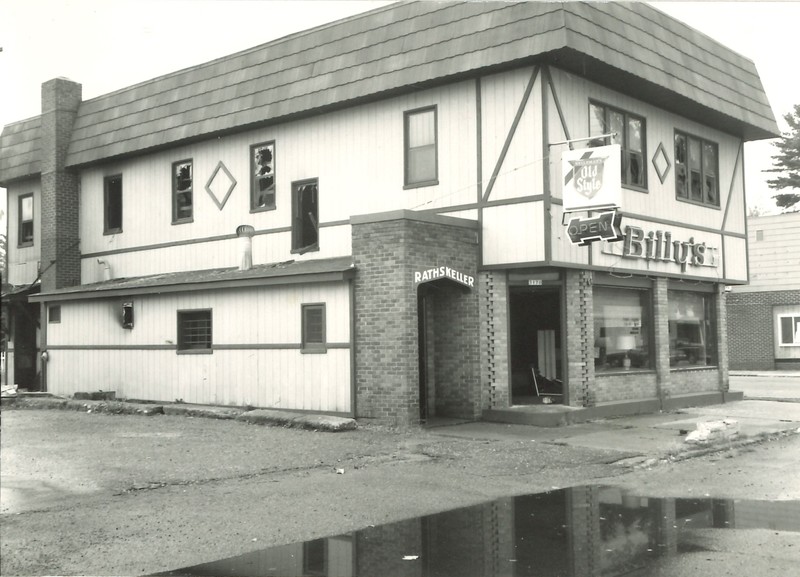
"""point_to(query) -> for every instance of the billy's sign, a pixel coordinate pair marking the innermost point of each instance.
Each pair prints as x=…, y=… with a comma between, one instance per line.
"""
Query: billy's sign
x=659, y=246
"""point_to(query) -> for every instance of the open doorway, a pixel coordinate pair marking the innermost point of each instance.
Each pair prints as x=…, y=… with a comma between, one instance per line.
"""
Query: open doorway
x=535, y=327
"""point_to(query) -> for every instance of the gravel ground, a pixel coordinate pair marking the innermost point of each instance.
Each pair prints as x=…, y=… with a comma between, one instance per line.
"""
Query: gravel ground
x=129, y=495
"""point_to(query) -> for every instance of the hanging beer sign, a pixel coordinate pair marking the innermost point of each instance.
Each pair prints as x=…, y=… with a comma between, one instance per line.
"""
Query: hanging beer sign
x=591, y=178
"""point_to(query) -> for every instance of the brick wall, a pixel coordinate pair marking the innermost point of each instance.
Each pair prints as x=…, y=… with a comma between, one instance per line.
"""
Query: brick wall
x=750, y=330
x=625, y=387
x=60, y=200
x=494, y=339
x=387, y=250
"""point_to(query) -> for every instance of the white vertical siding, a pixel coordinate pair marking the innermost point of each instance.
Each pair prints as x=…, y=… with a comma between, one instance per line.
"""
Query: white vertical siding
x=574, y=93
x=513, y=233
x=23, y=262
x=264, y=368
x=502, y=95
x=357, y=155
x=774, y=258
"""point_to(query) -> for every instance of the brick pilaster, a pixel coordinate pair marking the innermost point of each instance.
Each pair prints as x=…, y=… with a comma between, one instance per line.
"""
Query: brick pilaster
x=494, y=340
x=661, y=336
x=579, y=305
x=722, y=337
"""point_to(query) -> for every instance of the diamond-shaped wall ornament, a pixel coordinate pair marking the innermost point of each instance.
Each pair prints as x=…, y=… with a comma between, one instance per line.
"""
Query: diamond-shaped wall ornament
x=217, y=183
x=661, y=162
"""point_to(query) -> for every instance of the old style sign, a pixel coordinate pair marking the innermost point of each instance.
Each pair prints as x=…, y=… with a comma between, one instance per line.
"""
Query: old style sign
x=591, y=178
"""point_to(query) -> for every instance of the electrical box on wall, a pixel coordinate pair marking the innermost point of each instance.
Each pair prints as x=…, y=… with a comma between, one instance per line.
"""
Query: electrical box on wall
x=127, y=315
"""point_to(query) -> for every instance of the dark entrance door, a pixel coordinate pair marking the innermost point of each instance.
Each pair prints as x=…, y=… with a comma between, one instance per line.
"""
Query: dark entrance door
x=535, y=328
x=26, y=325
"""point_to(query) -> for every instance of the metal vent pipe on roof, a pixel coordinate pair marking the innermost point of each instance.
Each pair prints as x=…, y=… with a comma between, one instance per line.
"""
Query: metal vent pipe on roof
x=245, y=233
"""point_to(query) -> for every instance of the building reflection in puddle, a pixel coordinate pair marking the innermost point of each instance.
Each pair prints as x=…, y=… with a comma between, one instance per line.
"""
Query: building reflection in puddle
x=575, y=532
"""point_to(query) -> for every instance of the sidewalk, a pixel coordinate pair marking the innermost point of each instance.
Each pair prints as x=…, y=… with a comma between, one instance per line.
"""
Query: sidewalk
x=645, y=439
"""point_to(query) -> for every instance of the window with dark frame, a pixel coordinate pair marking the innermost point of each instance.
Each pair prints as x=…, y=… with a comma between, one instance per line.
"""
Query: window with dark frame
x=25, y=234
x=692, y=329
x=629, y=133
x=305, y=216
x=112, y=203
x=313, y=327
x=194, y=331
x=622, y=328
x=182, y=186
x=420, y=138
x=262, y=168
x=696, y=170
x=54, y=314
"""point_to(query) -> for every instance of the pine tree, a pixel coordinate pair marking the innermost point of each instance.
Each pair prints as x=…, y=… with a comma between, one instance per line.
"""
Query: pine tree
x=787, y=162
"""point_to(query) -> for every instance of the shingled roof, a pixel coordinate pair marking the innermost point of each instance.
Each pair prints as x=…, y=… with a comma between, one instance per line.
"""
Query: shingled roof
x=631, y=47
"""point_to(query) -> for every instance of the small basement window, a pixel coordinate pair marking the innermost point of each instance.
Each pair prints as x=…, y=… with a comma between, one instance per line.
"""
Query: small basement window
x=194, y=331
x=313, y=319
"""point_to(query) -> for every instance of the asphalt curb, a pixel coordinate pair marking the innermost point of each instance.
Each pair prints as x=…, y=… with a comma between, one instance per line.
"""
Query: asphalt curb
x=265, y=417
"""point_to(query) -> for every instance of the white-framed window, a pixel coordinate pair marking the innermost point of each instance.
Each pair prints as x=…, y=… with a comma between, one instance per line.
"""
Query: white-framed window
x=313, y=328
x=420, y=135
x=25, y=220
x=789, y=332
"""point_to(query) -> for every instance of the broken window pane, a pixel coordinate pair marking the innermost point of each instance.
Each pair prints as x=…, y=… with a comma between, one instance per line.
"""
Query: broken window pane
x=262, y=188
x=182, y=203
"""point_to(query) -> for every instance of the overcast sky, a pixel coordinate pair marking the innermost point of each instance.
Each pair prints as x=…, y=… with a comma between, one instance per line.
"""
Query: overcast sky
x=110, y=44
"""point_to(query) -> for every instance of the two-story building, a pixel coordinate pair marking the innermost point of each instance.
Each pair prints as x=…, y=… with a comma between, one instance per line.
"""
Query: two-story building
x=367, y=218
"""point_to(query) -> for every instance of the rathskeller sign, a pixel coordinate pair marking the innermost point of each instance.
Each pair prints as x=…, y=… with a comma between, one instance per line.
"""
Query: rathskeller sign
x=438, y=272
x=659, y=246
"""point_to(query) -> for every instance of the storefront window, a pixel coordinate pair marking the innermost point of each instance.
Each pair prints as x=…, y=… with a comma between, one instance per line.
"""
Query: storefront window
x=621, y=329
x=692, y=338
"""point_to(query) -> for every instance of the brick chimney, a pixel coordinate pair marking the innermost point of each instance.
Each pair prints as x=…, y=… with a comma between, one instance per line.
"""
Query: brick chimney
x=60, y=231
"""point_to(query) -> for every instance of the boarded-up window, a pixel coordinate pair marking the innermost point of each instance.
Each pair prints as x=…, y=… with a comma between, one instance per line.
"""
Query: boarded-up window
x=262, y=185
x=194, y=331
x=420, y=148
x=305, y=216
x=112, y=201
x=313, y=318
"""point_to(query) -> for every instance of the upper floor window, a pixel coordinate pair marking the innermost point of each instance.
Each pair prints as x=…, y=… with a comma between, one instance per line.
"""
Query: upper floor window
x=194, y=331
x=305, y=216
x=112, y=204
x=696, y=170
x=313, y=327
x=628, y=130
x=182, y=185
x=262, y=169
x=420, y=147
x=25, y=236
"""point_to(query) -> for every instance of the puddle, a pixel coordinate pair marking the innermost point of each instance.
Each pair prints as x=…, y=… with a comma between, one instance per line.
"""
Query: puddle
x=575, y=532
